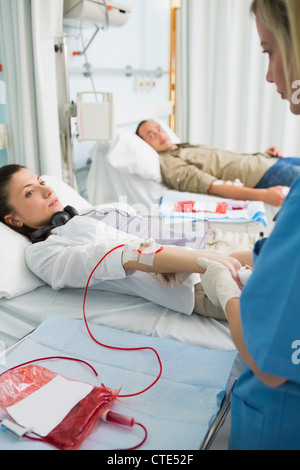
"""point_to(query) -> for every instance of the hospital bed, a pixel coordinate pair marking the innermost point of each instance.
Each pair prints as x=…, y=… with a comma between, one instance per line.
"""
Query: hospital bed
x=182, y=411
x=27, y=304
x=26, y=301
x=128, y=169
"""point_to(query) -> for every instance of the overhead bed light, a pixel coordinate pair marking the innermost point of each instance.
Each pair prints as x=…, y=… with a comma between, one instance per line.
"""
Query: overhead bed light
x=86, y=13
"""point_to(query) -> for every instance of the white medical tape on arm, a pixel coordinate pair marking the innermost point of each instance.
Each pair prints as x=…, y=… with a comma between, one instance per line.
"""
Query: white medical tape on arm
x=132, y=251
x=147, y=255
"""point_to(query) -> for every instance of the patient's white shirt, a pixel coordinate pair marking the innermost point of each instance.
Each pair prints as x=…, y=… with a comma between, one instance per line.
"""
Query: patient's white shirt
x=71, y=252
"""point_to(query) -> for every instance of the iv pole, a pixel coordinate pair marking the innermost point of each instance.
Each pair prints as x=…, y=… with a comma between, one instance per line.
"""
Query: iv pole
x=66, y=110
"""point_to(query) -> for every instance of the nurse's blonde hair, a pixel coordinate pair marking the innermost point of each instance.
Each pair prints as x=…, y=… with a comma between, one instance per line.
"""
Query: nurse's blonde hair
x=282, y=18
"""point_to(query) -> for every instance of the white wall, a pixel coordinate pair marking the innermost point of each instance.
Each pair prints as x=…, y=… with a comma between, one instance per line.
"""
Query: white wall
x=143, y=43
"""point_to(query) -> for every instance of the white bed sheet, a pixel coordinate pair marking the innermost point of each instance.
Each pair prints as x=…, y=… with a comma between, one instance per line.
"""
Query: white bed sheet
x=20, y=315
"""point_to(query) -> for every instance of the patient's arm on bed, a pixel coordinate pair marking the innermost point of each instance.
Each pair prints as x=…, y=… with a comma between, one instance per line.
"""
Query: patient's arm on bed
x=234, y=320
x=179, y=260
x=273, y=196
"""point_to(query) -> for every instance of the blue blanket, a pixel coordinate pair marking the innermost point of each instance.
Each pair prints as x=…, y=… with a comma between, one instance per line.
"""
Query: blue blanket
x=177, y=411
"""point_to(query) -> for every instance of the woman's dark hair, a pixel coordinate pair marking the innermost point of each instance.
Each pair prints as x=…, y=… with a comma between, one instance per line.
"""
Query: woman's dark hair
x=6, y=174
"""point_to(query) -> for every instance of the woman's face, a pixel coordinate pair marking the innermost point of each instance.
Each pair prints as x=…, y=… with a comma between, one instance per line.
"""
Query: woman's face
x=276, y=72
x=33, y=202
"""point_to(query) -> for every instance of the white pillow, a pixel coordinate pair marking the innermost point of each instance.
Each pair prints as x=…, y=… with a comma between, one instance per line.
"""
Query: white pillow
x=15, y=277
x=130, y=154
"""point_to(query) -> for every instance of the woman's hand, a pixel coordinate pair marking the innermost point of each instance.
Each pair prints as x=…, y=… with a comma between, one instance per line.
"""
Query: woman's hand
x=217, y=283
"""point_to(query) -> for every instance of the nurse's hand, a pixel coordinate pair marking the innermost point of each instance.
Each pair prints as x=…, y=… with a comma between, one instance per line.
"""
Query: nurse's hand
x=232, y=264
x=217, y=282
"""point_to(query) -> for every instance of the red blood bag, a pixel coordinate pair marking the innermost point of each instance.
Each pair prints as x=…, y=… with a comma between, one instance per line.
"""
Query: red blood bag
x=198, y=206
x=17, y=384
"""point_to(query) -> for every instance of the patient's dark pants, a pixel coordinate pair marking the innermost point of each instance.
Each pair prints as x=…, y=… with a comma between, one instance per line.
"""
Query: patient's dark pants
x=283, y=173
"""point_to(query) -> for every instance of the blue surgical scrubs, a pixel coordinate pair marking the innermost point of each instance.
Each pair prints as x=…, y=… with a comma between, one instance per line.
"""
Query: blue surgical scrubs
x=263, y=417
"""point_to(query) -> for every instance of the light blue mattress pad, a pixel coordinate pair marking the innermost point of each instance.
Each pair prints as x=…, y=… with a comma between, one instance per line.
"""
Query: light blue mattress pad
x=177, y=411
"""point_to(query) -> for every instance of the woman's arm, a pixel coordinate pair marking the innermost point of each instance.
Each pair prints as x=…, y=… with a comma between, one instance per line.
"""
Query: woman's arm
x=234, y=320
x=180, y=260
x=244, y=257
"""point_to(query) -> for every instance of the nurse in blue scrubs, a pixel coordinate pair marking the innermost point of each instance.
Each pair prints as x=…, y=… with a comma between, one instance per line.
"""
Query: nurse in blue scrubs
x=265, y=318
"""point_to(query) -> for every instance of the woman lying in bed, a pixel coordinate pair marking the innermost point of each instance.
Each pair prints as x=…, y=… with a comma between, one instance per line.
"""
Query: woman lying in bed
x=65, y=255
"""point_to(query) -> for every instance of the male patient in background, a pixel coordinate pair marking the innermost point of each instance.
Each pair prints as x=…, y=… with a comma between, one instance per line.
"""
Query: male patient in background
x=200, y=169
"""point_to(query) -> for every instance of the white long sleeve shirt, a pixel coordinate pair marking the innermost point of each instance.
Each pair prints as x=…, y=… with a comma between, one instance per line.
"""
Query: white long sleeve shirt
x=71, y=252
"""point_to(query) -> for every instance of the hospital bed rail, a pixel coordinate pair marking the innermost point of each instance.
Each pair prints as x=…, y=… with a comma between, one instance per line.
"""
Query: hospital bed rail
x=223, y=414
